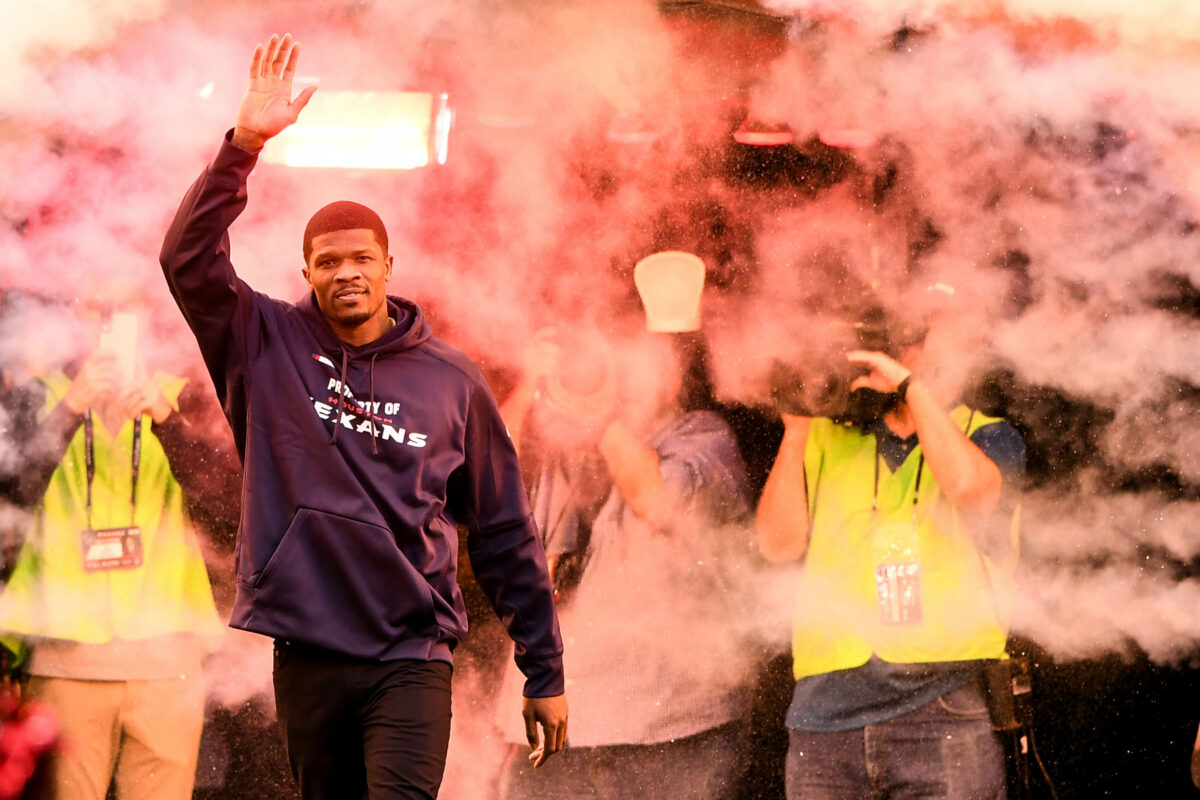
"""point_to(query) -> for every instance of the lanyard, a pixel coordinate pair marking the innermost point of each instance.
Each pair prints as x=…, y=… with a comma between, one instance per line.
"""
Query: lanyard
x=916, y=488
x=89, y=448
x=920, y=472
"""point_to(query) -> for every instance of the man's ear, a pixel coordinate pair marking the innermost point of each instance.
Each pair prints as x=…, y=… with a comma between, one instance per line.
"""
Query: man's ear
x=387, y=270
x=304, y=272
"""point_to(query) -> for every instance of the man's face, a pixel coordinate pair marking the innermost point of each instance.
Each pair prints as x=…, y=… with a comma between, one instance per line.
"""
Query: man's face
x=348, y=271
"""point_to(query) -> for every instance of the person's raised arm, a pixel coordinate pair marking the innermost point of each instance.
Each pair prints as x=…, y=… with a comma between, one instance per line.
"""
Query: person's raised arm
x=195, y=255
x=967, y=477
x=781, y=520
x=633, y=465
x=636, y=471
x=695, y=474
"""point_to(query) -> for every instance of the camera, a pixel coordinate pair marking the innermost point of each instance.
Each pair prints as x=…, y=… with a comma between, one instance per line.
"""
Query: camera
x=818, y=383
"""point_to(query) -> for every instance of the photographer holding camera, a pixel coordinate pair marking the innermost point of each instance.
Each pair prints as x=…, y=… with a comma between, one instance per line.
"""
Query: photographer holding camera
x=641, y=499
x=900, y=607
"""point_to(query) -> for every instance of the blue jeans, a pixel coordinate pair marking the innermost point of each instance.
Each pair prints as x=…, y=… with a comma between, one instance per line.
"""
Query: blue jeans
x=945, y=750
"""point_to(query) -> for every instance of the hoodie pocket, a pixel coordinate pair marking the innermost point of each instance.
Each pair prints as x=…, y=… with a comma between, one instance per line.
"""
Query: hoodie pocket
x=342, y=584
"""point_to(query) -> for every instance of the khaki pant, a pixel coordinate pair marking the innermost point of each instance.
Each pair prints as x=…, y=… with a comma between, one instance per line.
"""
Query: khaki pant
x=147, y=732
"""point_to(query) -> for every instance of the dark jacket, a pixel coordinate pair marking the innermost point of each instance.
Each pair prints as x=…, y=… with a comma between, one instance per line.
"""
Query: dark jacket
x=359, y=463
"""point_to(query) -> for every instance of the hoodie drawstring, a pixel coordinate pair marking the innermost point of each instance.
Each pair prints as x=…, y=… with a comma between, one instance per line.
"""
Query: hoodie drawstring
x=337, y=421
x=337, y=417
x=371, y=381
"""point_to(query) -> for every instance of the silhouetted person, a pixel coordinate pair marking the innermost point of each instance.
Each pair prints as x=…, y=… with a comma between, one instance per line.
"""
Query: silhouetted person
x=643, y=503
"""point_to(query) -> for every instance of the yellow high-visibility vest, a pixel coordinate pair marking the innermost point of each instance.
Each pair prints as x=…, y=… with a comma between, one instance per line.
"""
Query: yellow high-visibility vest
x=51, y=595
x=963, y=596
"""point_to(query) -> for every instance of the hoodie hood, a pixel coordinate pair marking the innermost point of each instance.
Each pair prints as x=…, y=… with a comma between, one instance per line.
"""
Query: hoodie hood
x=410, y=330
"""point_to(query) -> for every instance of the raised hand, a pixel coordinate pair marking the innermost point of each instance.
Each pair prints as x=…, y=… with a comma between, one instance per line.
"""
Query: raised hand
x=145, y=398
x=268, y=106
x=885, y=373
x=99, y=378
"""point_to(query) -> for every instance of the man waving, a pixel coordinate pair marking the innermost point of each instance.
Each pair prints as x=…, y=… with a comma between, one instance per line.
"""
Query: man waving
x=366, y=441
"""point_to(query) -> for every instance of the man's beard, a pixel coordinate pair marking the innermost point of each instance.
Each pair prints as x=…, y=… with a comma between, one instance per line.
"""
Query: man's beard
x=355, y=319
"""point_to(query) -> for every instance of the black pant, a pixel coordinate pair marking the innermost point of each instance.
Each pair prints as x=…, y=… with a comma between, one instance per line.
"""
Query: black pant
x=355, y=729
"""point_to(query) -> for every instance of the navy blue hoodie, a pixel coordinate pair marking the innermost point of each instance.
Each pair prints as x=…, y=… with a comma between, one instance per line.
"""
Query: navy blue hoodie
x=359, y=463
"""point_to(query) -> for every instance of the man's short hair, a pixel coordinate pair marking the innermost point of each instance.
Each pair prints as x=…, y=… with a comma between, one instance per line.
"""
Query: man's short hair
x=343, y=215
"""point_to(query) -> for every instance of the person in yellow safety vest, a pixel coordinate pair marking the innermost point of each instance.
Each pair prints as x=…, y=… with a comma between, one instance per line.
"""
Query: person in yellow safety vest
x=908, y=540
x=109, y=602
